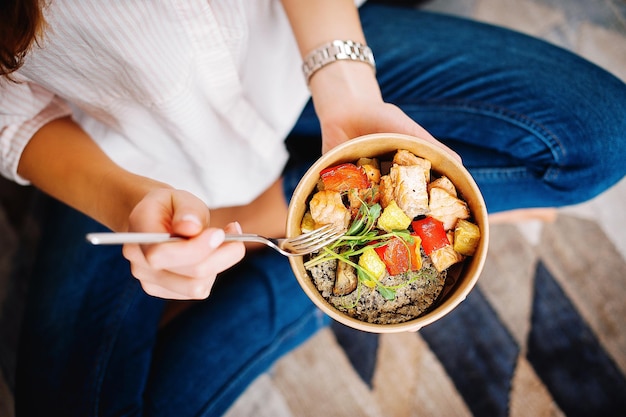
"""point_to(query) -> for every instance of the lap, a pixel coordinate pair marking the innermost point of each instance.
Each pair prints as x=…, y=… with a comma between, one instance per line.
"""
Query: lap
x=81, y=304
x=524, y=115
x=91, y=342
x=256, y=313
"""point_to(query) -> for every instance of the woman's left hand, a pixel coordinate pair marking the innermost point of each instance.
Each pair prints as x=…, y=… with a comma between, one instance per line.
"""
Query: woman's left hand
x=348, y=103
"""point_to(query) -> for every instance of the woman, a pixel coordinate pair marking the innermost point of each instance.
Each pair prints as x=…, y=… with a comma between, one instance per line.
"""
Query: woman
x=136, y=116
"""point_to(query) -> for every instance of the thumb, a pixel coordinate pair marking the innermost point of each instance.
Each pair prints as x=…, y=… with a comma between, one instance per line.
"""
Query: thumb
x=410, y=127
x=190, y=215
x=331, y=137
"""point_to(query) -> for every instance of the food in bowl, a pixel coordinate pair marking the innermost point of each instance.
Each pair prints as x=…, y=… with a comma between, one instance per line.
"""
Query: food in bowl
x=407, y=227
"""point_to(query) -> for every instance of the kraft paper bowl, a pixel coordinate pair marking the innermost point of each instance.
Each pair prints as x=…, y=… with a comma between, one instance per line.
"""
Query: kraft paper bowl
x=384, y=146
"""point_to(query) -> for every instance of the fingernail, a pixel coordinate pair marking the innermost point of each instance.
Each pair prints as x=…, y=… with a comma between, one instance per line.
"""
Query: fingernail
x=237, y=227
x=217, y=238
x=192, y=218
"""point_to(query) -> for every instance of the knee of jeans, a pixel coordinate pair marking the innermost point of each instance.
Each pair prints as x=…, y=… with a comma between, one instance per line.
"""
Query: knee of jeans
x=589, y=170
x=597, y=158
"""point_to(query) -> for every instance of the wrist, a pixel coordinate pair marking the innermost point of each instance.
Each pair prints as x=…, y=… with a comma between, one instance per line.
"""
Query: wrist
x=342, y=84
x=334, y=51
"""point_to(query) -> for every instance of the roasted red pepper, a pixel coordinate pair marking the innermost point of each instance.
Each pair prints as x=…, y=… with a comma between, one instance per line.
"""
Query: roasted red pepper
x=396, y=254
x=344, y=177
x=432, y=233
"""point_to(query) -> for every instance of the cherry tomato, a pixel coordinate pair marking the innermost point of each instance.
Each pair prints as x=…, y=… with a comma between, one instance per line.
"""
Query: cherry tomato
x=396, y=254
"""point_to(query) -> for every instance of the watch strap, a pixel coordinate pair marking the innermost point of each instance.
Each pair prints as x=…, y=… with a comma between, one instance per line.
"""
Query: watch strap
x=335, y=51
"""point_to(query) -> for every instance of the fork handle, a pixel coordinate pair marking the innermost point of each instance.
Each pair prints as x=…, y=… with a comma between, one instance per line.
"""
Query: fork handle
x=113, y=238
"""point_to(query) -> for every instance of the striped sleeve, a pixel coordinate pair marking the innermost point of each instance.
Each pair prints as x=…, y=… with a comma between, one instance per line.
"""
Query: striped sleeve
x=24, y=109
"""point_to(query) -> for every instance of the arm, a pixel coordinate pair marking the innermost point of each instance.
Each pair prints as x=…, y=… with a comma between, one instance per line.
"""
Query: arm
x=63, y=161
x=346, y=94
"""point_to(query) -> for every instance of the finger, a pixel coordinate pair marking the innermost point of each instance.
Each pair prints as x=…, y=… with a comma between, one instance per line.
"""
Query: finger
x=171, y=211
x=164, y=283
x=186, y=281
x=169, y=285
x=422, y=133
x=184, y=252
x=153, y=213
x=164, y=294
x=182, y=255
x=234, y=228
x=190, y=214
x=160, y=292
x=220, y=259
x=331, y=137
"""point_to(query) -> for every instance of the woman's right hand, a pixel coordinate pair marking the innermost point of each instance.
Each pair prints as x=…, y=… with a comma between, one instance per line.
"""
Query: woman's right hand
x=185, y=269
x=63, y=161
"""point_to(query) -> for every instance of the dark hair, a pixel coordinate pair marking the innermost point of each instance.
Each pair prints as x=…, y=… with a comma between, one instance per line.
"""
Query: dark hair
x=21, y=24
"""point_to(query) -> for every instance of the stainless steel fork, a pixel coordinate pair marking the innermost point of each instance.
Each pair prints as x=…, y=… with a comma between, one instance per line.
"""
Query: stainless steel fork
x=296, y=246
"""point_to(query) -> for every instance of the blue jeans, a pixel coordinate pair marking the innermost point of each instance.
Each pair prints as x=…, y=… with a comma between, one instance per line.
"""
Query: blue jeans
x=536, y=126
x=91, y=344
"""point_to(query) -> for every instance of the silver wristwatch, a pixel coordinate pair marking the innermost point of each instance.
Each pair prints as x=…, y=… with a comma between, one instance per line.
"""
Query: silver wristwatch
x=335, y=51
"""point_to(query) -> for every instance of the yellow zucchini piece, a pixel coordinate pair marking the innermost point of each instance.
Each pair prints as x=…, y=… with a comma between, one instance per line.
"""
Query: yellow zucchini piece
x=307, y=224
x=466, y=237
x=393, y=218
x=371, y=262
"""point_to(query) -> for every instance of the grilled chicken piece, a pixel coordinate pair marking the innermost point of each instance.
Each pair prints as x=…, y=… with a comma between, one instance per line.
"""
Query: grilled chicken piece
x=356, y=198
x=406, y=158
x=409, y=189
x=371, y=168
x=386, y=190
x=346, y=279
x=327, y=208
x=447, y=208
x=444, y=183
x=445, y=257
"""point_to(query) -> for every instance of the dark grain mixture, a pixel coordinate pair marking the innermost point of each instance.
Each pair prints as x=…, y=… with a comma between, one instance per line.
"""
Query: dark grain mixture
x=417, y=291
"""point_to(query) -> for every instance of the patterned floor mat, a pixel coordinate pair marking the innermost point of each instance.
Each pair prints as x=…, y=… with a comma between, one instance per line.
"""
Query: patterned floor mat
x=541, y=334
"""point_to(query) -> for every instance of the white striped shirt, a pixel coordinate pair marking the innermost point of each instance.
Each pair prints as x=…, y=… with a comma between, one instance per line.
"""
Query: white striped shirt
x=199, y=94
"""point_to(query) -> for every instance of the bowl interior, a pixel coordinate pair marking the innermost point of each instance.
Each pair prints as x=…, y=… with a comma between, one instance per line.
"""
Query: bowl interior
x=384, y=146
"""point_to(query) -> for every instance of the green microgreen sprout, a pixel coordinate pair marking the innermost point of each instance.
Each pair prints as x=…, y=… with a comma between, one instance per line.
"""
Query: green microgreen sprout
x=362, y=234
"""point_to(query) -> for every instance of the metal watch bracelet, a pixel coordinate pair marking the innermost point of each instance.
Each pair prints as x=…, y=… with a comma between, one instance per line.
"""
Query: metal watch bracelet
x=335, y=51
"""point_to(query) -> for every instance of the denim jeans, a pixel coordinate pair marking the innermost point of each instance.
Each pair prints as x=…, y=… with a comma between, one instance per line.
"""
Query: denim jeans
x=536, y=126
